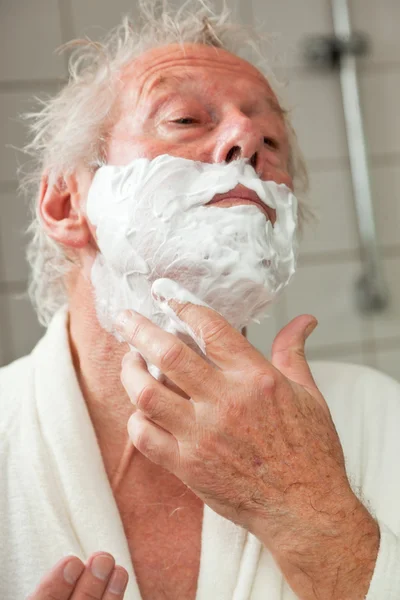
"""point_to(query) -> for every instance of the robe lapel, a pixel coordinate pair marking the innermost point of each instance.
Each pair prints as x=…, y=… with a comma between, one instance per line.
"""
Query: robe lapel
x=229, y=555
x=72, y=446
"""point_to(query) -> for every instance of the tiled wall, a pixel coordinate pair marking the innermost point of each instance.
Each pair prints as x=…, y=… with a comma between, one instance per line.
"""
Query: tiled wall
x=330, y=264
x=30, y=30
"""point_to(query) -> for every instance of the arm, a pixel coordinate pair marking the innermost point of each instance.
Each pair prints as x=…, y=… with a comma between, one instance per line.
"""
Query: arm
x=257, y=444
x=337, y=562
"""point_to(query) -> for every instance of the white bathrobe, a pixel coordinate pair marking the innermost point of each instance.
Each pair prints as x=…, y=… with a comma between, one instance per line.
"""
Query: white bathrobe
x=55, y=498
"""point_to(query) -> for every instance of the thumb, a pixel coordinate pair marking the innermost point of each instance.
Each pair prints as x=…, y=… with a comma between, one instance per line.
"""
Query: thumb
x=288, y=351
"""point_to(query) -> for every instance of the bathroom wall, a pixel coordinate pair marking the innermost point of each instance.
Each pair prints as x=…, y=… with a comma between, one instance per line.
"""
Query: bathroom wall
x=330, y=264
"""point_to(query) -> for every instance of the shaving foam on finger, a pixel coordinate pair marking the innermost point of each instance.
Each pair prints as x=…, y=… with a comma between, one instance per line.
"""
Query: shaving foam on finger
x=152, y=224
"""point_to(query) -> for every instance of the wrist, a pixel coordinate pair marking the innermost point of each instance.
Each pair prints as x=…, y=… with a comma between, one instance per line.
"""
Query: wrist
x=335, y=559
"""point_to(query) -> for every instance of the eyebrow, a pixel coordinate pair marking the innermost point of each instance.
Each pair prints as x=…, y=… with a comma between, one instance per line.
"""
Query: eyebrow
x=276, y=107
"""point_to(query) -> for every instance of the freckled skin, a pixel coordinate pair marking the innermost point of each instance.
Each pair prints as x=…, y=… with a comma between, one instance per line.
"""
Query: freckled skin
x=231, y=100
x=230, y=106
x=221, y=86
x=208, y=105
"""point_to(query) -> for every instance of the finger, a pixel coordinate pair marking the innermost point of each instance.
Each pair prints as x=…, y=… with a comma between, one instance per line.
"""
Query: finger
x=60, y=581
x=94, y=580
x=288, y=351
x=222, y=343
x=163, y=406
x=154, y=443
x=166, y=351
x=117, y=584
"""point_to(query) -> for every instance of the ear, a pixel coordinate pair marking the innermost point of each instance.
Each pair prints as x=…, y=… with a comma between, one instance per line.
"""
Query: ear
x=61, y=211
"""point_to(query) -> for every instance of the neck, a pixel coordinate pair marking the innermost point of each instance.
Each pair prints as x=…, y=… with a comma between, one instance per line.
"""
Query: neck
x=97, y=357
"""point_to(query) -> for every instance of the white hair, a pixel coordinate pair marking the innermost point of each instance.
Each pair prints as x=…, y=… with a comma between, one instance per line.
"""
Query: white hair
x=70, y=129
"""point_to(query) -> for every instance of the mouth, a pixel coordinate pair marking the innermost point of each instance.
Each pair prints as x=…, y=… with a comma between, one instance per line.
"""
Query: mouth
x=241, y=195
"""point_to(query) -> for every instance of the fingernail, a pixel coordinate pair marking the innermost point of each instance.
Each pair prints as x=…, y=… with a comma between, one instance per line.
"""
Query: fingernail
x=72, y=571
x=101, y=566
x=310, y=328
x=158, y=297
x=118, y=582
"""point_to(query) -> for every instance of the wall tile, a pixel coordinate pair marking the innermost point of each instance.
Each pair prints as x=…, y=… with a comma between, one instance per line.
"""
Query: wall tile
x=328, y=293
x=380, y=97
x=262, y=334
x=290, y=25
x=388, y=361
x=353, y=356
x=14, y=219
x=25, y=328
x=5, y=338
x=30, y=33
x=94, y=18
x=13, y=131
x=380, y=21
x=387, y=324
x=315, y=101
x=386, y=195
x=331, y=199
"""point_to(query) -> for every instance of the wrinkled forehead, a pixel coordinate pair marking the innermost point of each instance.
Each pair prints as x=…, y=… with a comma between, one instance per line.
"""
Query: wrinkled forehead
x=174, y=62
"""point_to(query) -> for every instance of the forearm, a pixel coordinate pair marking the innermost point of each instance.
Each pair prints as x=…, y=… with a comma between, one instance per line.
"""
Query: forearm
x=334, y=565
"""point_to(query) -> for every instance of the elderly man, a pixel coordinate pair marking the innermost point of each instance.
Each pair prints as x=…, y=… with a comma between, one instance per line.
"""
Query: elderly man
x=231, y=476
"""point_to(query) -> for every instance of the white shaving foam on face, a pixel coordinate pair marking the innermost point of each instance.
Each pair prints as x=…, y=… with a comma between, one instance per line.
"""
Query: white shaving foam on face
x=152, y=224
x=166, y=289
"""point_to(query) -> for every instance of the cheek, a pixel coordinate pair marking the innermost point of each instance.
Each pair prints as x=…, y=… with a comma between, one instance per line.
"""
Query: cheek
x=123, y=149
x=87, y=255
x=278, y=174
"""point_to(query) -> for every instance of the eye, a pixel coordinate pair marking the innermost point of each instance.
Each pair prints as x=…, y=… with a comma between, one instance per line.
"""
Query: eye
x=185, y=121
x=271, y=143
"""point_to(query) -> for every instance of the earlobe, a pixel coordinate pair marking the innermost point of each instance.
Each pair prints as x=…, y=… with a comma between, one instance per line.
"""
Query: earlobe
x=61, y=212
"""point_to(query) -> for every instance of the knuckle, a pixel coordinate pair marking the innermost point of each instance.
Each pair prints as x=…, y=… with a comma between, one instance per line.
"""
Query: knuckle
x=88, y=595
x=143, y=442
x=214, y=330
x=173, y=357
x=183, y=310
x=129, y=361
x=265, y=383
x=147, y=398
x=135, y=331
x=291, y=357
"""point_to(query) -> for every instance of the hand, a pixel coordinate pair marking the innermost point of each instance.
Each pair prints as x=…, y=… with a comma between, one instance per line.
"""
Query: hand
x=256, y=441
x=70, y=579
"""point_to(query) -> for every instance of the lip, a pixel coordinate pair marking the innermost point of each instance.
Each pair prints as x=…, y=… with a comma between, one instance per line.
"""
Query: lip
x=240, y=193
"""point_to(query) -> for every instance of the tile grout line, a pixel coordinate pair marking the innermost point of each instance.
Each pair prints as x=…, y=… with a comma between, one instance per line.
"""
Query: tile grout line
x=31, y=85
x=13, y=287
x=66, y=26
x=366, y=346
x=380, y=160
x=335, y=257
x=8, y=186
x=304, y=71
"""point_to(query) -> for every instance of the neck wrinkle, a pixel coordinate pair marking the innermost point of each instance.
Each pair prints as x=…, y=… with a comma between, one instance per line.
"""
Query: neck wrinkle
x=97, y=357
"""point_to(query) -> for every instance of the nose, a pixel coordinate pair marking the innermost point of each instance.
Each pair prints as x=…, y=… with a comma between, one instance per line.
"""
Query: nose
x=239, y=138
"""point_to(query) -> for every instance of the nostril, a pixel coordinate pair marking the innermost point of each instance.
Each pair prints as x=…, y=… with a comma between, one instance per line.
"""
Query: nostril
x=253, y=160
x=233, y=154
